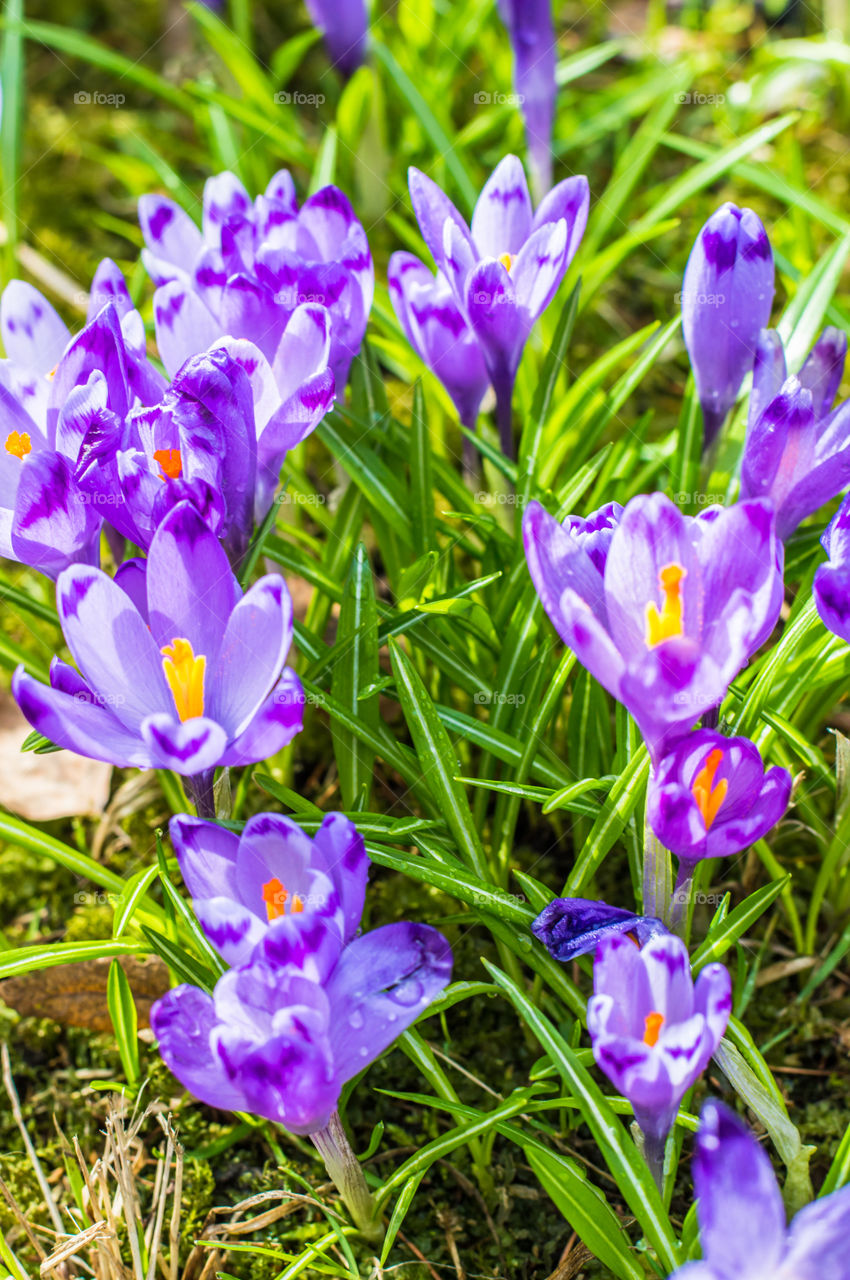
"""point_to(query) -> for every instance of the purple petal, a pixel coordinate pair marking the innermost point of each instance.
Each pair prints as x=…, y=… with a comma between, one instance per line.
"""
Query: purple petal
x=109, y=285
x=273, y=727
x=80, y=722
x=54, y=526
x=570, y=927
x=727, y=1159
x=433, y=209
x=383, y=982
x=568, y=201
x=188, y=747
x=343, y=26
x=171, y=237
x=501, y=222
x=184, y=326
x=540, y=267
x=191, y=588
x=817, y=1241
x=253, y=650
x=34, y=334
x=340, y=845
x=823, y=369
x=184, y=1022
x=206, y=853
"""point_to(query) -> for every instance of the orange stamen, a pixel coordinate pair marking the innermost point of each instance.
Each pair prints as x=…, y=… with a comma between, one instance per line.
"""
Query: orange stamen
x=185, y=675
x=170, y=462
x=275, y=896
x=664, y=624
x=708, y=795
x=653, y=1023
x=18, y=443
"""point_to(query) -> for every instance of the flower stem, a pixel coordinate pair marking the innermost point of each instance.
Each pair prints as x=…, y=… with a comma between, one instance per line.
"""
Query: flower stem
x=653, y=1151
x=681, y=896
x=201, y=791
x=344, y=1168
x=504, y=389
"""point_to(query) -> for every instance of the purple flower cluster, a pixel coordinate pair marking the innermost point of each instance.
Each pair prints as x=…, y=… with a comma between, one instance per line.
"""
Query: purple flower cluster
x=308, y=1003
x=494, y=279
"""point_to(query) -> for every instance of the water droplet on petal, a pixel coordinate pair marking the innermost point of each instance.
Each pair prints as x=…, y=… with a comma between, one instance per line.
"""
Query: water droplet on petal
x=356, y=1020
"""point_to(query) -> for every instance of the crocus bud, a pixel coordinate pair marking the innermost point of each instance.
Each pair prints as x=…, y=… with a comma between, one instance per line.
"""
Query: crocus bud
x=532, y=34
x=343, y=26
x=726, y=298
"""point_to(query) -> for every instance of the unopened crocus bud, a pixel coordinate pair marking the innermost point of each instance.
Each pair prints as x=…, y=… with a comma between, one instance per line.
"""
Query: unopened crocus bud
x=726, y=299
x=797, y=448
x=532, y=34
x=343, y=24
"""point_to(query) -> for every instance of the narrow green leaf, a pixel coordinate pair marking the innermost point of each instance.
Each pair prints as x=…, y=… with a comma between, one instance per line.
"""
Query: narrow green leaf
x=122, y=1011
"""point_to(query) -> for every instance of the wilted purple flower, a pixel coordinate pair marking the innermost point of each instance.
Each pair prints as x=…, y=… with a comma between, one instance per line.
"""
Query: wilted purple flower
x=742, y=1225
x=663, y=609
x=532, y=33
x=726, y=298
x=46, y=387
x=570, y=927
x=797, y=448
x=505, y=271
x=831, y=587
x=438, y=333
x=271, y=877
x=252, y=266
x=281, y=1035
x=343, y=24
x=180, y=670
x=653, y=1029
x=710, y=796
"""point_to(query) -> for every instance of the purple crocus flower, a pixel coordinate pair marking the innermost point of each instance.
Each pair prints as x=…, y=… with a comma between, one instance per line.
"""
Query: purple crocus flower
x=343, y=24
x=726, y=298
x=199, y=444
x=532, y=34
x=46, y=386
x=252, y=266
x=177, y=669
x=662, y=608
x=653, y=1029
x=831, y=586
x=438, y=333
x=506, y=269
x=271, y=877
x=742, y=1225
x=281, y=1034
x=570, y=927
x=710, y=796
x=797, y=447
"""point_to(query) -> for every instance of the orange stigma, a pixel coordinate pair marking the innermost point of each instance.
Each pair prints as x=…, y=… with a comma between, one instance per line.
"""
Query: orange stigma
x=185, y=675
x=276, y=897
x=653, y=1023
x=170, y=462
x=709, y=797
x=663, y=625
x=507, y=260
x=18, y=443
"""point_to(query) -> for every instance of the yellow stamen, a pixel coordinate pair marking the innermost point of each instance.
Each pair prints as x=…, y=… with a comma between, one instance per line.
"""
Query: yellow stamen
x=18, y=443
x=50, y=376
x=666, y=623
x=275, y=896
x=185, y=675
x=170, y=462
x=709, y=797
x=653, y=1023
x=507, y=260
